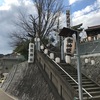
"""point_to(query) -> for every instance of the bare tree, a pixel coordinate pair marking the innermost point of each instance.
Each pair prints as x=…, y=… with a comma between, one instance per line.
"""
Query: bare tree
x=41, y=24
x=47, y=11
x=44, y=21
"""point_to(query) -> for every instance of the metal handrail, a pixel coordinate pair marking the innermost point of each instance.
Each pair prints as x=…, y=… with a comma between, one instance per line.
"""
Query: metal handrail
x=71, y=77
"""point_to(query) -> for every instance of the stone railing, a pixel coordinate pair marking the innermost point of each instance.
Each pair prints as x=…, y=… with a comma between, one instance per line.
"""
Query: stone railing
x=62, y=86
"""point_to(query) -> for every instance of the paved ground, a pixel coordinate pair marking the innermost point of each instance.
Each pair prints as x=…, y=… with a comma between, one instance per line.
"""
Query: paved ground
x=5, y=96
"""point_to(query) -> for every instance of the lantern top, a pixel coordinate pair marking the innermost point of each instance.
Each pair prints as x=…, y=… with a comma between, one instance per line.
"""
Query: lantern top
x=67, y=32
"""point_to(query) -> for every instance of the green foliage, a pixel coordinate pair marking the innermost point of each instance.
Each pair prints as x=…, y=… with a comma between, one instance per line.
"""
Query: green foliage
x=22, y=48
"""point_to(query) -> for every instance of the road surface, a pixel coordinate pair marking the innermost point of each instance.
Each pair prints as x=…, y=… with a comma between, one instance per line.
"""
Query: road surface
x=5, y=96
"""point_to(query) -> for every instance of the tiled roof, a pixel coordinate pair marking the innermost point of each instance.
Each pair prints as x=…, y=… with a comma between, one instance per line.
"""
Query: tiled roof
x=93, y=28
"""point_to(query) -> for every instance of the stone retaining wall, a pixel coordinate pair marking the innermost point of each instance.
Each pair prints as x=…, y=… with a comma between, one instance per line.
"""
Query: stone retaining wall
x=92, y=71
x=27, y=83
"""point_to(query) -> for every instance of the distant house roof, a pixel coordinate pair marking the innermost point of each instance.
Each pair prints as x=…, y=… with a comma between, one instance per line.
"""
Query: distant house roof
x=93, y=30
x=94, y=27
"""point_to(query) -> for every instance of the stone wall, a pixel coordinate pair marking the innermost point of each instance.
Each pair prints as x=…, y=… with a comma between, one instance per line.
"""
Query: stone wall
x=92, y=71
x=27, y=83
x=90, y=47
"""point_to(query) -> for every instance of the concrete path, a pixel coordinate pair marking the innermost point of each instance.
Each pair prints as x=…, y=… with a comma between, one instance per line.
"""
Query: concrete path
x=5, y=96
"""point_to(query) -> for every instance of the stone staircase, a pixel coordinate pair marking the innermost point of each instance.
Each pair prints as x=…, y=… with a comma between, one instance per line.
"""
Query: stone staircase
x=91, y=90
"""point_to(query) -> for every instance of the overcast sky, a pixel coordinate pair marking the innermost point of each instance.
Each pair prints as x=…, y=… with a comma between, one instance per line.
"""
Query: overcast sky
x=82, y=11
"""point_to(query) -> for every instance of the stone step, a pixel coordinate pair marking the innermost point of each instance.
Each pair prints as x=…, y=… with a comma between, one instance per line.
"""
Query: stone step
x=83, y=80
x=94, y=93
x=92, y=98
x=86, y=86
x=89, y=85
x=87, y=82
x=93, y=89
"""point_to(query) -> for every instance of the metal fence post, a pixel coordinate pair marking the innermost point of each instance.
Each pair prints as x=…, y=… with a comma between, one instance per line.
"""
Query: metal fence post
x=79, y=67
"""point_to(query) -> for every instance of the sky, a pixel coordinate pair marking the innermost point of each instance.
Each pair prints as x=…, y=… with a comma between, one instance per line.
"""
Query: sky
x=82, y=11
